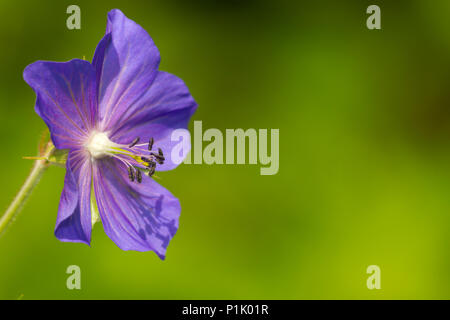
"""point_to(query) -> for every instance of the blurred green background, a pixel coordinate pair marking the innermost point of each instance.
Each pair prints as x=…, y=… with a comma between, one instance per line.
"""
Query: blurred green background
x=364, y=119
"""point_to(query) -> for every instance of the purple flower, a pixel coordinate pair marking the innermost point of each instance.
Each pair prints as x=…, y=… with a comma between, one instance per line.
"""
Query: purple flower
x=115, y=116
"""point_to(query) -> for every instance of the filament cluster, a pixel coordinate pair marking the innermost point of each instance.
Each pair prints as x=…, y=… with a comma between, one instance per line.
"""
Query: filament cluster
x=146, y=159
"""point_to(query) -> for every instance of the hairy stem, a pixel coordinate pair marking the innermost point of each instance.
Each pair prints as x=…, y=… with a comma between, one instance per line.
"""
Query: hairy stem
x=25, y=191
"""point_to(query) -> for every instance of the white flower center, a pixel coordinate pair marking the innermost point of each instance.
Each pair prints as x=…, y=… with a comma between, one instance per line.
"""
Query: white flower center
x=99, y=145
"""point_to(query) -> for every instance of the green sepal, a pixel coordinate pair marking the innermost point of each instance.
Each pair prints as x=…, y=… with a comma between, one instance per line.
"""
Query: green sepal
x=58, y=157
x=49, y=153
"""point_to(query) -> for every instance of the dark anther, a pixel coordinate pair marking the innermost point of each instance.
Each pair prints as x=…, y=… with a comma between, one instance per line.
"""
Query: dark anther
x=151, y=170
x=145, y=159
x=131, y=173
x=150, y=144
x=158, y=156
x=151, y=164
x=138, y=176
x=160, y=152
x=134, y=143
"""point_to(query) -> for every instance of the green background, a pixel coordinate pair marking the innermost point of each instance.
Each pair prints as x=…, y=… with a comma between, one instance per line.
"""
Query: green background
x=364, y=179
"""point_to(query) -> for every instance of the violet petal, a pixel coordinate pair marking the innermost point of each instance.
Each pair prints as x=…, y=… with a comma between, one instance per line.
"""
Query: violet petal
x=126, y=65
x=136, y=216
x=167, y=105
x=73, y=223
x=66, y=98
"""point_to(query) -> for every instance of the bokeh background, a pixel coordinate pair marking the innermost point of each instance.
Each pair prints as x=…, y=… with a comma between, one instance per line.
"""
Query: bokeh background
x=364, y=119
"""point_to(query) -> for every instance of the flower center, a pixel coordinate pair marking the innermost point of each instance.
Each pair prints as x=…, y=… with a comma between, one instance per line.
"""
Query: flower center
x=99, y=145
x=136, y=157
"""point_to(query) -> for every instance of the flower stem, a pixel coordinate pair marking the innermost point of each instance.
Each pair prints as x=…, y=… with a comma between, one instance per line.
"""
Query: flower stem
x=24, y=192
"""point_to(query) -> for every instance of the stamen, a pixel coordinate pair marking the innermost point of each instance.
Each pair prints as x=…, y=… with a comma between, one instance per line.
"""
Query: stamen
x=135, y=141
x=138, y=176
x=150, y=144
x=152, y=169
x=125, y=162
x=134, y=156
x=159, y=158
x=131, y=173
